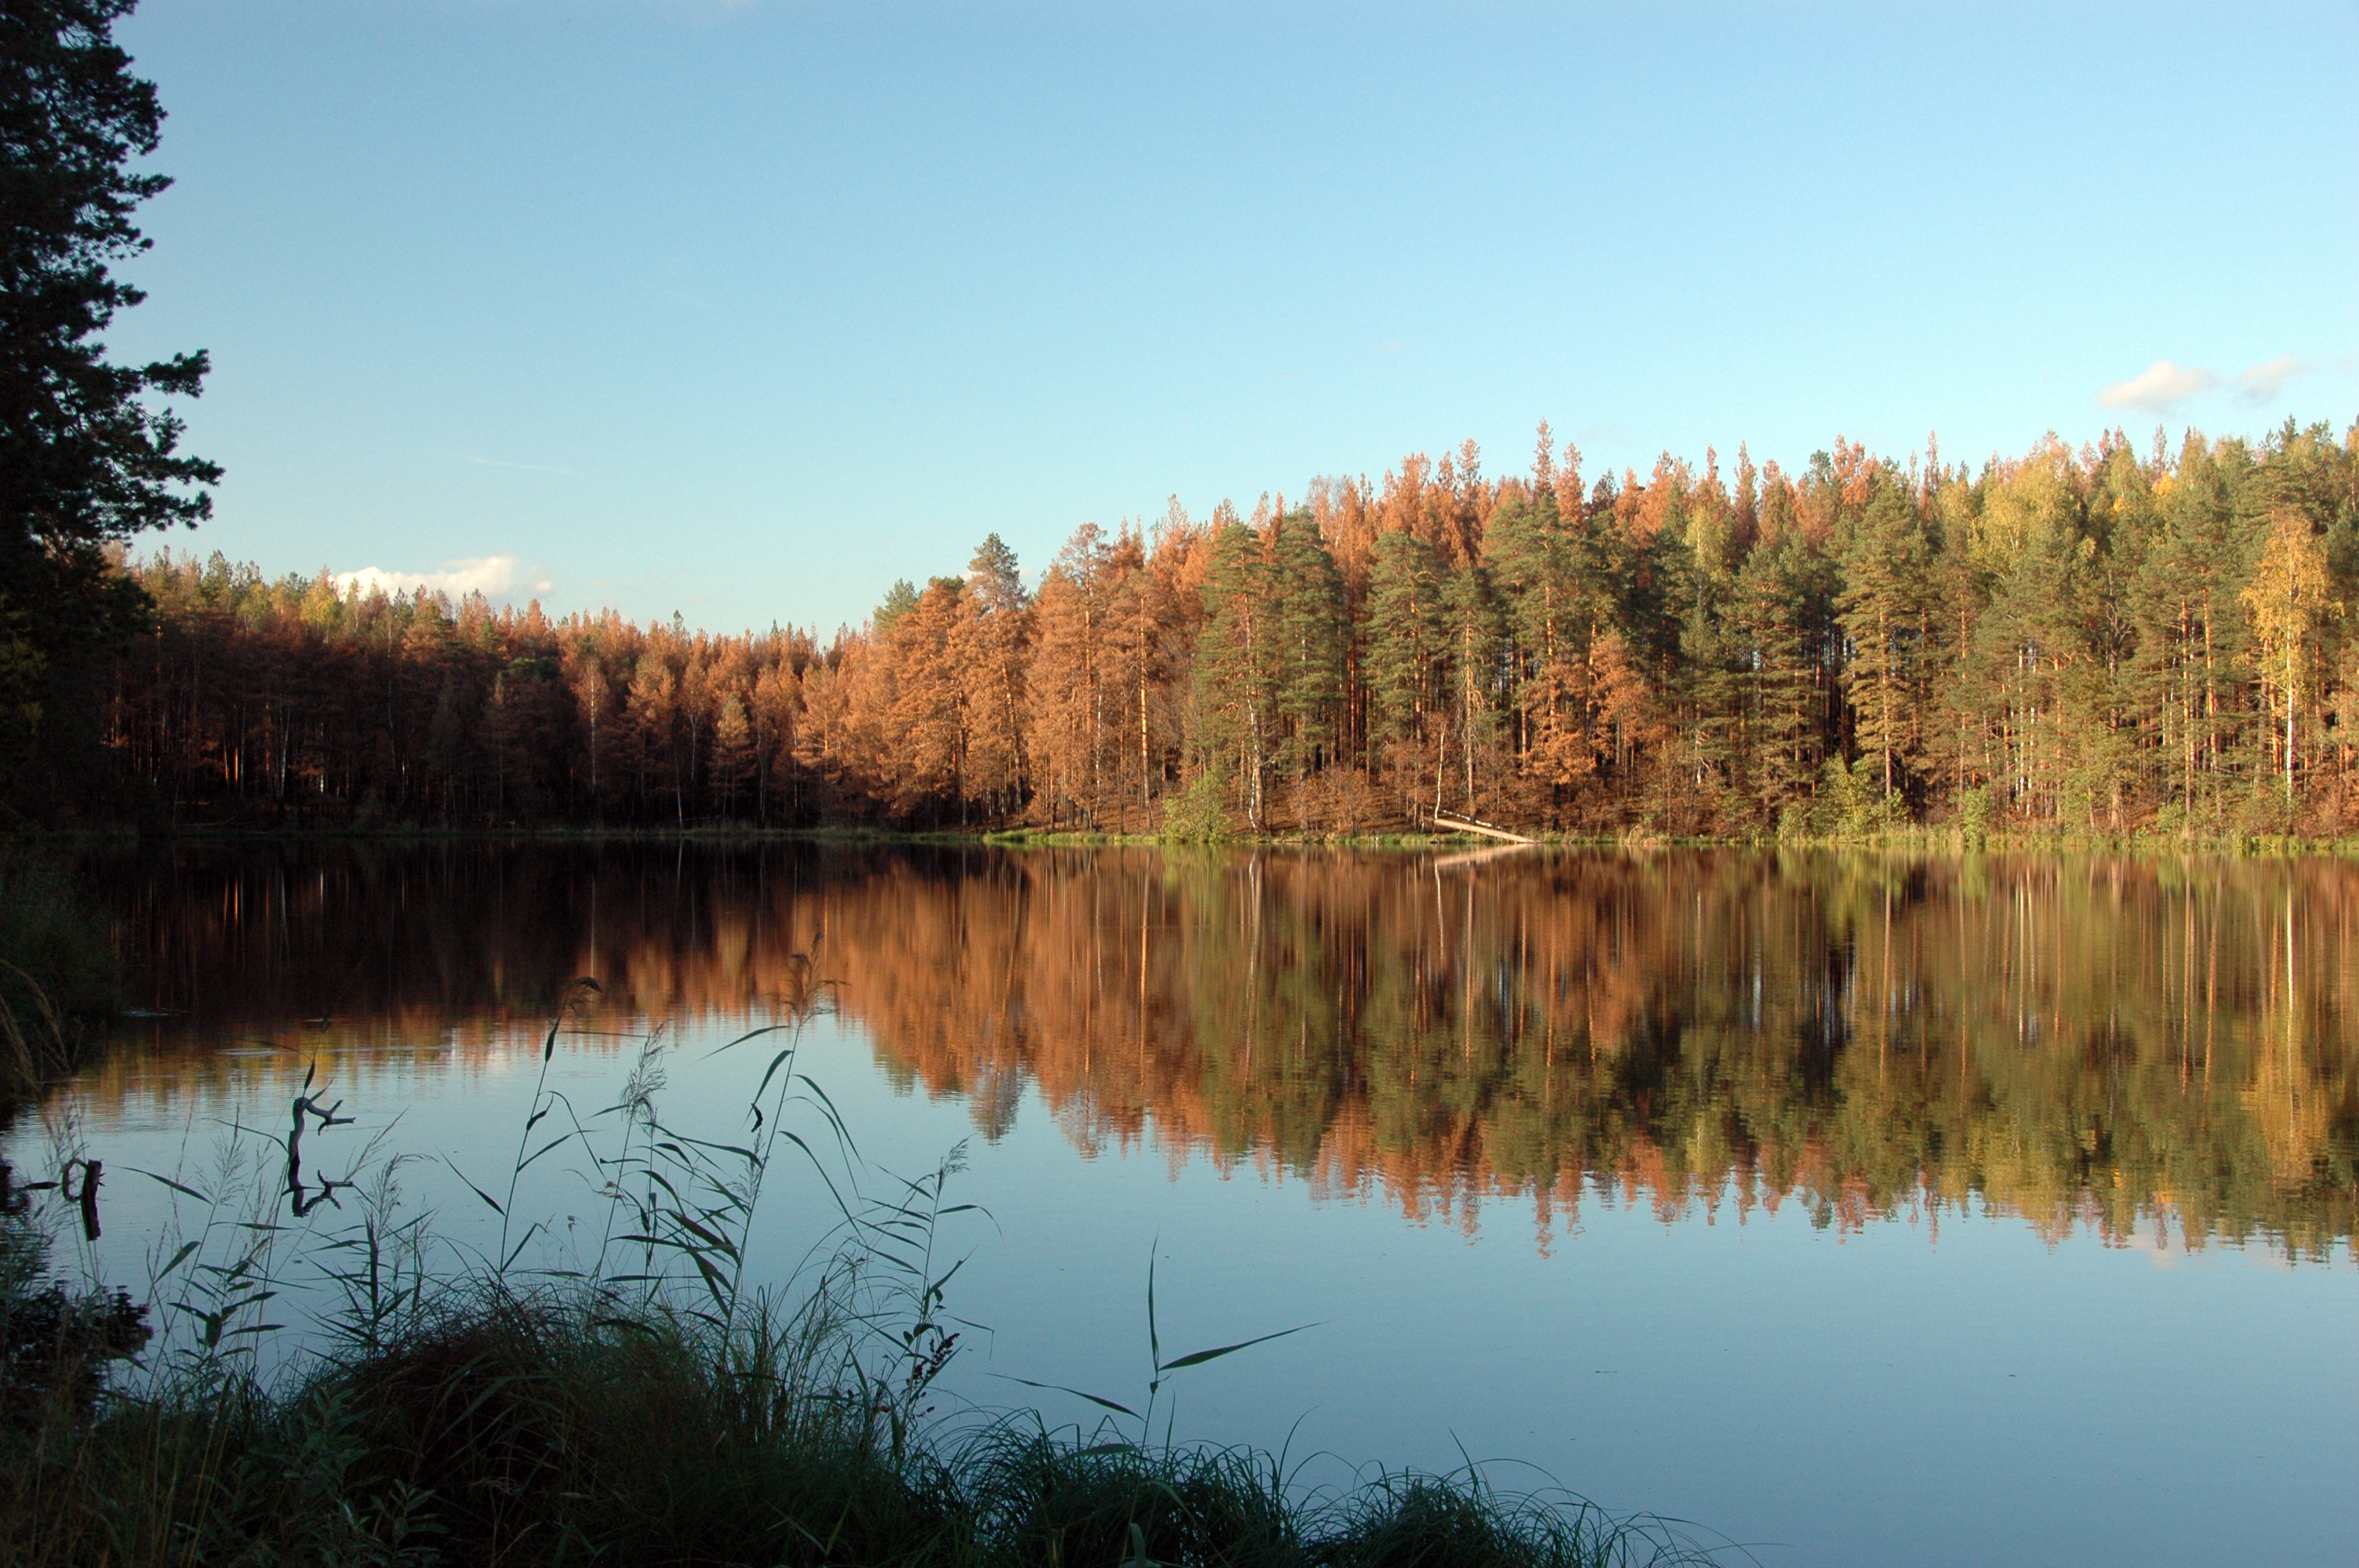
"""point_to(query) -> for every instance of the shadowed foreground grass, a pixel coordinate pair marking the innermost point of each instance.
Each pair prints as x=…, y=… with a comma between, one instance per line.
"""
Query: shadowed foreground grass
x=529, y=1428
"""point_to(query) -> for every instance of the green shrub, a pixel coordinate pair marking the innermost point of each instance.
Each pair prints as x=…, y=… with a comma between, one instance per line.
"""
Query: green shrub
x=1200, y=813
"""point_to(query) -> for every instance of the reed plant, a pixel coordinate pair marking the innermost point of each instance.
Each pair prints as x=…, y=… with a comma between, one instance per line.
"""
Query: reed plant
x=639, y=1395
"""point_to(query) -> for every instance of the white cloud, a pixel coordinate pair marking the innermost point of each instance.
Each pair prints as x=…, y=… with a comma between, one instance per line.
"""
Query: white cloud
x=2158, y=388
x=2262, y=383
x=490, y=575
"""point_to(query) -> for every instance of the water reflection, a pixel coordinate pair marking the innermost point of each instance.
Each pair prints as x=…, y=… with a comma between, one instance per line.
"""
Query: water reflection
x=2125, y=1044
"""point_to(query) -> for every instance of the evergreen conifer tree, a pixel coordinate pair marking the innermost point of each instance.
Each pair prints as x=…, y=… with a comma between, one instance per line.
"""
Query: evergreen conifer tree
x=86, y=461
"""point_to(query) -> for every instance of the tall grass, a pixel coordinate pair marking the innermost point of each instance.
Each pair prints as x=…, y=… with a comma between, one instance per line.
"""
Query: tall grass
x=634, y=1396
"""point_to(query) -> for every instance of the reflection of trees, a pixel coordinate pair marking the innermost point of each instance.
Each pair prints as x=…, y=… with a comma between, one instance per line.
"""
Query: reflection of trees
x=2074, y=1041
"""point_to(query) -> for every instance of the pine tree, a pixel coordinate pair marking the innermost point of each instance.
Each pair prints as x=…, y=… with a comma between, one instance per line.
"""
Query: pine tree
x=930, y=691
x=652, y=709
x=773, y=711
x=1472, y=641
x=85, y=462
x=1139, y=614
x=1776, y=622
x=1310, y=630
x=1405, y=639
x=1239, y=663
x=732, y=750
x=1883, y=611
x=992, y=642
x=1067, y=680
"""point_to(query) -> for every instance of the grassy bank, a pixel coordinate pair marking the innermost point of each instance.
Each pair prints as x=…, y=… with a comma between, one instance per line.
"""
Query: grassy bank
x=311, y=1377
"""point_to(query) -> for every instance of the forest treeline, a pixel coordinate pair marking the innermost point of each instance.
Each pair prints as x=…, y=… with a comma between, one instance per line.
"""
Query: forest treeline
x=2092, y=641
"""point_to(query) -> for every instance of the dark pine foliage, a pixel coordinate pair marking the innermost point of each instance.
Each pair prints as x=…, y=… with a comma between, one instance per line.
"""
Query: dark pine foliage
x=87, y=460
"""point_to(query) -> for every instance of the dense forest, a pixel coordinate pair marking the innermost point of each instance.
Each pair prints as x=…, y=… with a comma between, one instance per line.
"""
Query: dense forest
x=2097, y=641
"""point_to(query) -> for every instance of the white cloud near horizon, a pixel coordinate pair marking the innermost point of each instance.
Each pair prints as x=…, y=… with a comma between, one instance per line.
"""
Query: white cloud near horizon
x=2159, y=388
x=491, y=575
x=2162, y=385
x=2264, y=382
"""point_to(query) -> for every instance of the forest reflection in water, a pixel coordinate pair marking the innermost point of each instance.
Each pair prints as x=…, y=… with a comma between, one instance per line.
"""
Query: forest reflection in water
x=2131, y=1043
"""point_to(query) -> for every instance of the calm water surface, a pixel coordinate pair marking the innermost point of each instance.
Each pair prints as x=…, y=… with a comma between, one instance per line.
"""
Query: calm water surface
x=1867, y=1210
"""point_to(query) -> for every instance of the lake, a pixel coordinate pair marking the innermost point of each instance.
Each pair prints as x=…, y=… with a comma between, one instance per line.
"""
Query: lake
x=1862, y=1209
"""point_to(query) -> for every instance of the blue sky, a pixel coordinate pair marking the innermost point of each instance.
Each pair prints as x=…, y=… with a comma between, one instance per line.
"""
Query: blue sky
x=743, y=311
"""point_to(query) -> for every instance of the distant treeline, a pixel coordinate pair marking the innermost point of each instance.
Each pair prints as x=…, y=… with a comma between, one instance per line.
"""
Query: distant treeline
x=2090, y=641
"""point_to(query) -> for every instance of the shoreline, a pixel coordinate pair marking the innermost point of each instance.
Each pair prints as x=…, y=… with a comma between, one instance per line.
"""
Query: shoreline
x=1914, y=841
